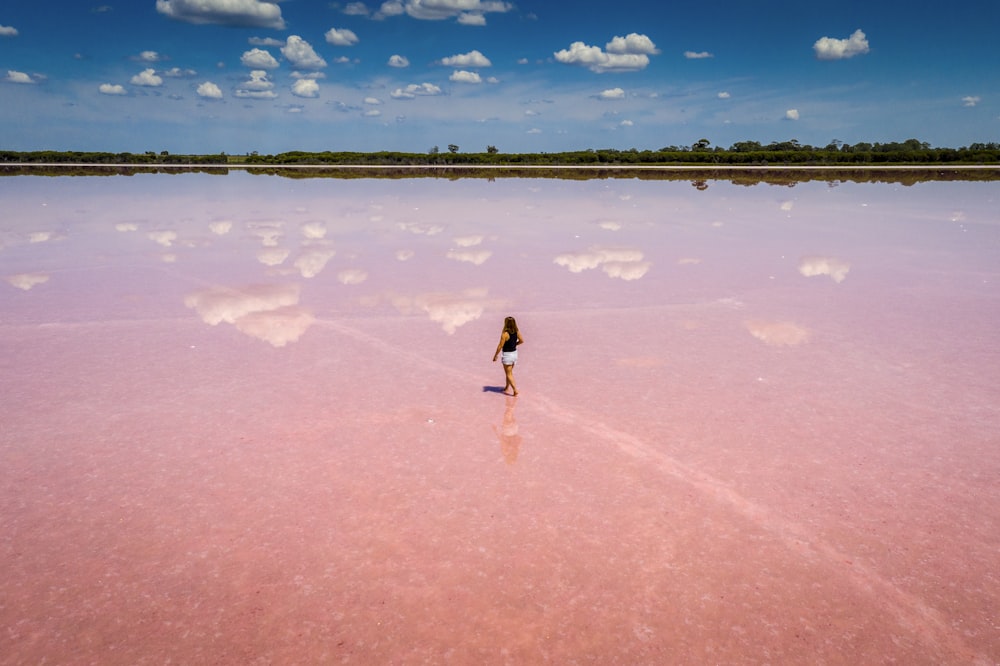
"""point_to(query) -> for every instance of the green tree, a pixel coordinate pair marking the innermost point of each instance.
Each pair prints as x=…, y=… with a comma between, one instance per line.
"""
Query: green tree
x=452, y=148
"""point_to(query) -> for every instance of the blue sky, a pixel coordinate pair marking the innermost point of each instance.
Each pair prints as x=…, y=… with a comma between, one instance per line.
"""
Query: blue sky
x=205, y=76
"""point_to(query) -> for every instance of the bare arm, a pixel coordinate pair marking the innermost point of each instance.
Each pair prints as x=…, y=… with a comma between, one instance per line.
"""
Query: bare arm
x=503, y=338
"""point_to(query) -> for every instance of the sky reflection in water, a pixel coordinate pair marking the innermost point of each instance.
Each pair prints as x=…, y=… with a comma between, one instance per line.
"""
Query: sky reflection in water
x=759, y=403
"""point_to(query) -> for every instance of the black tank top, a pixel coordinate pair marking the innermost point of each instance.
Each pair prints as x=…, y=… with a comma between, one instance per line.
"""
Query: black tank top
x=511, y=344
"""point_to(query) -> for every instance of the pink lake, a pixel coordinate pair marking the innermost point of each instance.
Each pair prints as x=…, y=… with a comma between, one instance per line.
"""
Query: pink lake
x=254, y=420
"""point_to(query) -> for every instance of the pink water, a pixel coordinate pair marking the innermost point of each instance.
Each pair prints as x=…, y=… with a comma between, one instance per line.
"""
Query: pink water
x=250, y=419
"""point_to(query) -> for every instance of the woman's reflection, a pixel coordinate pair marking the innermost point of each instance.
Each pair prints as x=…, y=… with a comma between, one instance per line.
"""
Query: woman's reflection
x=510, y=440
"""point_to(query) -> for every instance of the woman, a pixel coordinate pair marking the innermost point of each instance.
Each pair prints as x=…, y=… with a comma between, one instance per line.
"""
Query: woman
x=509, y=340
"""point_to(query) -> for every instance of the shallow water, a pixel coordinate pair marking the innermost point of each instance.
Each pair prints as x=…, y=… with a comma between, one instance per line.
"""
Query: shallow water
x=253, y=419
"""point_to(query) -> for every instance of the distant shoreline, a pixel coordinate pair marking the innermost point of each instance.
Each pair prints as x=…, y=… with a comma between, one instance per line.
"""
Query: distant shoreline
x=524, y=167
x=699, y=176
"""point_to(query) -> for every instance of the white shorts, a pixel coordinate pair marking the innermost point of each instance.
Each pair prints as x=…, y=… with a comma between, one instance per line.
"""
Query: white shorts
x=508, y=358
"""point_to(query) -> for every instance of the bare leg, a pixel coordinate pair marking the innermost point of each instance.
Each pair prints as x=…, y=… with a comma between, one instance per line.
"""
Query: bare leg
x=509, y=372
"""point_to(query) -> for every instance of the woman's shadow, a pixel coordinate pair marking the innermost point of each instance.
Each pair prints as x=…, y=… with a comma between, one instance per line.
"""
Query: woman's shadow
x=493, y=389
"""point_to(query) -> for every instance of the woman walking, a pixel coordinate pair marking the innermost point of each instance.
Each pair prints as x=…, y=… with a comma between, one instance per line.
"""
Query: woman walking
x=510, y=338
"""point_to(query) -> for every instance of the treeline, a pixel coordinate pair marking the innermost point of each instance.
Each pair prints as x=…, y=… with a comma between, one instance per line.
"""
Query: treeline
x=78, y=157
x=745, y=153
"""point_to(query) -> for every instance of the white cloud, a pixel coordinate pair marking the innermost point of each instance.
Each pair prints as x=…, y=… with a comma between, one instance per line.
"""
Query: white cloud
x=341, y=37
x=389, y=8
x=792, y=114
x=356, y=9
x=372, y=113
x=467, y=12
x=209, y=90
x=612, y=93
x=415, y=90
x=598, y=61
x=147, y=77
x=257, y=82
x=372, y=100
x=150, y=56
x=472, y=18
x=626, y=123
x=299, y=52
x=112, y=89
x=18, y=77
x=697, y=55
x=463, y=76
x=305, y=88
x=308, y=75
x=177, y=73
x=723, y=95
x=828, y=48
x=398, y=61
x=970, y=100
x=265, y=41
x=470, y=59
x=255, y=94
x=258, y=59
x=8, y=31
x=221, y=227
x=241, y=13
x=631, y=43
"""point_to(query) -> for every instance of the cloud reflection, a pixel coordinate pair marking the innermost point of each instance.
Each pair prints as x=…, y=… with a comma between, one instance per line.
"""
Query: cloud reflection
x=778, y=333
x=268, y=312
x=837, y=269
x=352, y=276
x=622, y=263
x=272, y=256
x=468, y=241
x=27, y=280
x=313, y=260
x=221, y=227
x=164, y=238
x=314, y=230
x=41, y=236
x=277, y=327
x=476, y=257
x=451, y=310
x=268, y=233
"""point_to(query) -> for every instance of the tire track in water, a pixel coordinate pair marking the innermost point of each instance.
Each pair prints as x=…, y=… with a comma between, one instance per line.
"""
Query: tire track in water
x=909, y=610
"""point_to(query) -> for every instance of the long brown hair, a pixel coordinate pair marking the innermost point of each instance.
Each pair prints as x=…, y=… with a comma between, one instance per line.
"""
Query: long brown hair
x=510, y=326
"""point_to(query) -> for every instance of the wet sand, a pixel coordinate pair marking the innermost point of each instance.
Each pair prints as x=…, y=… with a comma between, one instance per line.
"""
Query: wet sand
x=248, y=420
